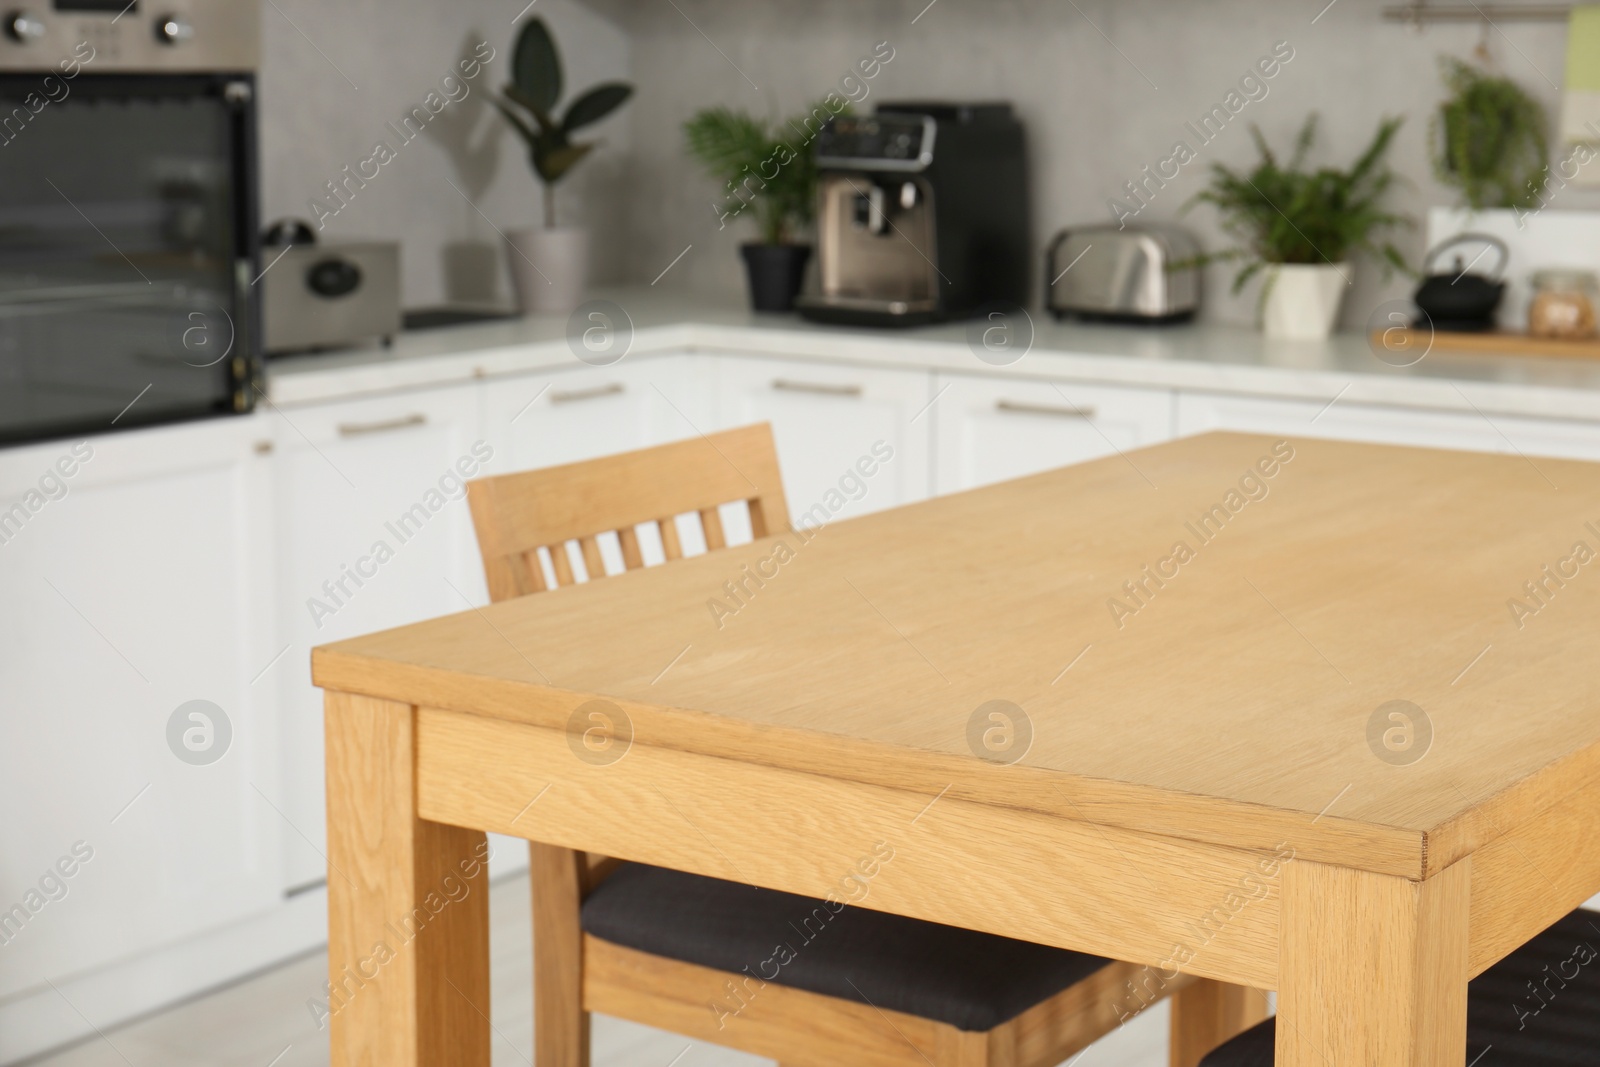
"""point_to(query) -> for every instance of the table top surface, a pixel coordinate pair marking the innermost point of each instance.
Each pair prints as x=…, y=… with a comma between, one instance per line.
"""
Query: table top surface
x=1205, y=638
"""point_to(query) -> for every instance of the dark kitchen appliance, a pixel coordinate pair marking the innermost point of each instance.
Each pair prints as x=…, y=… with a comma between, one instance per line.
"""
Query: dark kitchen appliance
x=326, y=295
x=128, y=224
x=1138, y=273
x=922, y=215
x=1462, y=300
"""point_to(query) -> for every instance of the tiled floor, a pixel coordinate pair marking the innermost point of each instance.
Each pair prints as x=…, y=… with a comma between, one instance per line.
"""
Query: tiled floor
x=264, y=1021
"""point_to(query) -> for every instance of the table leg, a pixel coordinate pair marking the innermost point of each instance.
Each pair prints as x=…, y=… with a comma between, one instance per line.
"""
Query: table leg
x=560, y=1025
x=1206, y=1013
x=408, y=904
x=1372, y=969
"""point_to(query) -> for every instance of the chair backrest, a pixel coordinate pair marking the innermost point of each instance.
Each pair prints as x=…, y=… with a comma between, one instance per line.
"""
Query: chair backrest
x=517, y=515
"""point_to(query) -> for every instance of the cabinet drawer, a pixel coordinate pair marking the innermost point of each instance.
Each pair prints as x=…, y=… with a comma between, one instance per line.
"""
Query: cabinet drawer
x=990, y=429
x=542, y=420
x=1467, y=431
x=827, y=419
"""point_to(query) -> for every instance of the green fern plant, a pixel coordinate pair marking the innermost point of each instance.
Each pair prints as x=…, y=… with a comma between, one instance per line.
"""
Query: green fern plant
x=777, y=174
x=1287, y=214
x=1489, y=139
x=529, y=104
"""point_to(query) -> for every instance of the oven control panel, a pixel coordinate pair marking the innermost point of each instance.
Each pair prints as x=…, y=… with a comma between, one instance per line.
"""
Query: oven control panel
x=129, y=36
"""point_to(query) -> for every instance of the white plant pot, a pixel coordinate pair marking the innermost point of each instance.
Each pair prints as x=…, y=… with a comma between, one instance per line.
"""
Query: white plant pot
x=549, y=268
x=1302, y=299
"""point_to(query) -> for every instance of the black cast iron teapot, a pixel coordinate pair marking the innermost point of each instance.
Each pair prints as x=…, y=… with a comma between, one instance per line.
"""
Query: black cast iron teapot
x=1461, y=299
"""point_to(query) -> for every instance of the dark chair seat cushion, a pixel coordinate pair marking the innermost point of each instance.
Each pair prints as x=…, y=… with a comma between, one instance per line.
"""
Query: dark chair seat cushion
x=1538, y=1007
x=970, y=980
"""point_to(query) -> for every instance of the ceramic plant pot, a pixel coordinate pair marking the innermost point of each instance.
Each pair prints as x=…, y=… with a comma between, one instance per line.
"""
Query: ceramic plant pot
x=1302, y=299
x=775, y=273
x=549, y=268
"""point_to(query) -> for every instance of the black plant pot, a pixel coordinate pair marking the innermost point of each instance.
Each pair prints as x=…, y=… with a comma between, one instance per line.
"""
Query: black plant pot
x=775, y=273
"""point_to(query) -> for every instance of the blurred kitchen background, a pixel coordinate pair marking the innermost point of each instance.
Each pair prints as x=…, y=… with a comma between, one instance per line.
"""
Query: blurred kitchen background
x=1103, y=88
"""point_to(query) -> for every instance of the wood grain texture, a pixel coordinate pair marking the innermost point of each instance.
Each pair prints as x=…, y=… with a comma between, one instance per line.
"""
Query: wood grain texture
x=1076, y=1017
x=516, y=513
x=408, y=904
x=1374, y=968
x=803, y=1028
x=807, y=1029
x=1492, y=342
x=1308, y=610
x=560, y=1023
x=574, y=973
x=1133, y=896
x=1532, y=875
x=1206, y=1014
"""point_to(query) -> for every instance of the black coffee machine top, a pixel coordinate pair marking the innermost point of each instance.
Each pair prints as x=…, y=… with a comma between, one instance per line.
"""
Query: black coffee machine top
x=922, y=214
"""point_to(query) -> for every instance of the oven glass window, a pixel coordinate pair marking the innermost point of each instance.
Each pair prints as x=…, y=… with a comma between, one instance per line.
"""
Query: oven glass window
x=123, y=251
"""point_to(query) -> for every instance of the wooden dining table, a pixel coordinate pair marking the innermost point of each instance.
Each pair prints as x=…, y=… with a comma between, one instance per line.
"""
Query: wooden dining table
x=1298, y=715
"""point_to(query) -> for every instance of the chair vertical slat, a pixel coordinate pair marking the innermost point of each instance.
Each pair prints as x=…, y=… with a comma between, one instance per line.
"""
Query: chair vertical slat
x=711, y=523
x=532, y=579
x=632, y=558
x=669, y=537
x=758, y=518
x=562, y=563
x=593, y=562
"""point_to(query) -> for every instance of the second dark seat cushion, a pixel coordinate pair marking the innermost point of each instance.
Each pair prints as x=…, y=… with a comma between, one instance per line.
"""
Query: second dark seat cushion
x=1538, y=1007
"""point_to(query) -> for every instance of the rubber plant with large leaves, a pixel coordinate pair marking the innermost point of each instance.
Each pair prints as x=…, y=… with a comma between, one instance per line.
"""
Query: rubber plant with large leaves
x=529, y=103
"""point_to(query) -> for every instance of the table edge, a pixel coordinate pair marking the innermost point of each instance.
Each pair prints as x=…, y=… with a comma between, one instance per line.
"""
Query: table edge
x=1332, y=839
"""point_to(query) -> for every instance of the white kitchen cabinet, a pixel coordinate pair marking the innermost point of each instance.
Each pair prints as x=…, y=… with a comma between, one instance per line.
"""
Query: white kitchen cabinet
x=373, y=533
x=827, y=419
x=989, y=429
x=136, y=584
x=565, y=416
x=540, y=420
x=1562, y=438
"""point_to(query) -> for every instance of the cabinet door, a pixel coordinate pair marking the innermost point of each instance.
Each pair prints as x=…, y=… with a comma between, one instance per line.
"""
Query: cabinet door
x=540, y=420
x=832, y=422
x=1473, y=432
x=990, y=429
x=137, y=583
x=374, y=533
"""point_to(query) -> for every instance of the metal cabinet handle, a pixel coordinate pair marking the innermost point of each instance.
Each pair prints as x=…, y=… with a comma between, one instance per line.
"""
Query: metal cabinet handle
x=356, y=429
x=1018, y=408
x=824, y=388
x=571, y=395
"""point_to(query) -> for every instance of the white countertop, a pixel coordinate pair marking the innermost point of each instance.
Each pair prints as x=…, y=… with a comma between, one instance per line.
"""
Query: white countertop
x=1210, y=358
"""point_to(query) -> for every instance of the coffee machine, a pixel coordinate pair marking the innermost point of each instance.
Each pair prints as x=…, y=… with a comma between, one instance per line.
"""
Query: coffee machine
x=922, y=215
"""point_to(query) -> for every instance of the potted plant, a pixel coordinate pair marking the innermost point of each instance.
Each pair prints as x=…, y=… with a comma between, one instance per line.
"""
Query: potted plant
x=1299, y=227
x=1489, y=139
x=774, y=179
x=550, y=266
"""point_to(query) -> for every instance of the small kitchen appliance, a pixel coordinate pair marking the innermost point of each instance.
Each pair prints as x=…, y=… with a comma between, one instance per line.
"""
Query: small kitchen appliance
x=922, y=215
x=327, y=295
x=128, y=225
x=1462, y=299
x=1135, y=273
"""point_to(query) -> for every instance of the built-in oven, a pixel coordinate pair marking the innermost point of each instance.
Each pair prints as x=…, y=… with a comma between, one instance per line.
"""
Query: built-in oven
x=128, y=216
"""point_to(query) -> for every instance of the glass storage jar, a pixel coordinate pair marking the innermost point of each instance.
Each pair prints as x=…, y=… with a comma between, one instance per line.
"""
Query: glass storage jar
x=1564, y=303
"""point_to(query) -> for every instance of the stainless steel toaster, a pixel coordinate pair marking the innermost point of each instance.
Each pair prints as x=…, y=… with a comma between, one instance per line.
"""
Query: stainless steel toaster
x=330, y=295
x=1138, y=273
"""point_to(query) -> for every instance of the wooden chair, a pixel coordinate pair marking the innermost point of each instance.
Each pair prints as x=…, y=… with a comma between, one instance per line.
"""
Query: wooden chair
x=1529, y=1009
x=675, y=943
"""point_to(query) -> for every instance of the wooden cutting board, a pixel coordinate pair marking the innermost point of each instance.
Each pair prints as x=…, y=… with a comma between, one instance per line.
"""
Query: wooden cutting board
x=1494, y=342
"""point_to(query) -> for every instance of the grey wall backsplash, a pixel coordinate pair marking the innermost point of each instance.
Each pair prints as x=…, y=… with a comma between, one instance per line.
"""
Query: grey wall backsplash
x=339, y=79
x=1106, y=88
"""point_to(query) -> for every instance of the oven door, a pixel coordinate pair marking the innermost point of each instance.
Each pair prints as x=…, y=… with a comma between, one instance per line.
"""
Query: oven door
x=127, y=251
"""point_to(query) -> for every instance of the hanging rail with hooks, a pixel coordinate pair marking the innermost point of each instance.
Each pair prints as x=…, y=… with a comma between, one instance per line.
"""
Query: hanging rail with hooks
x=1418, y=13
